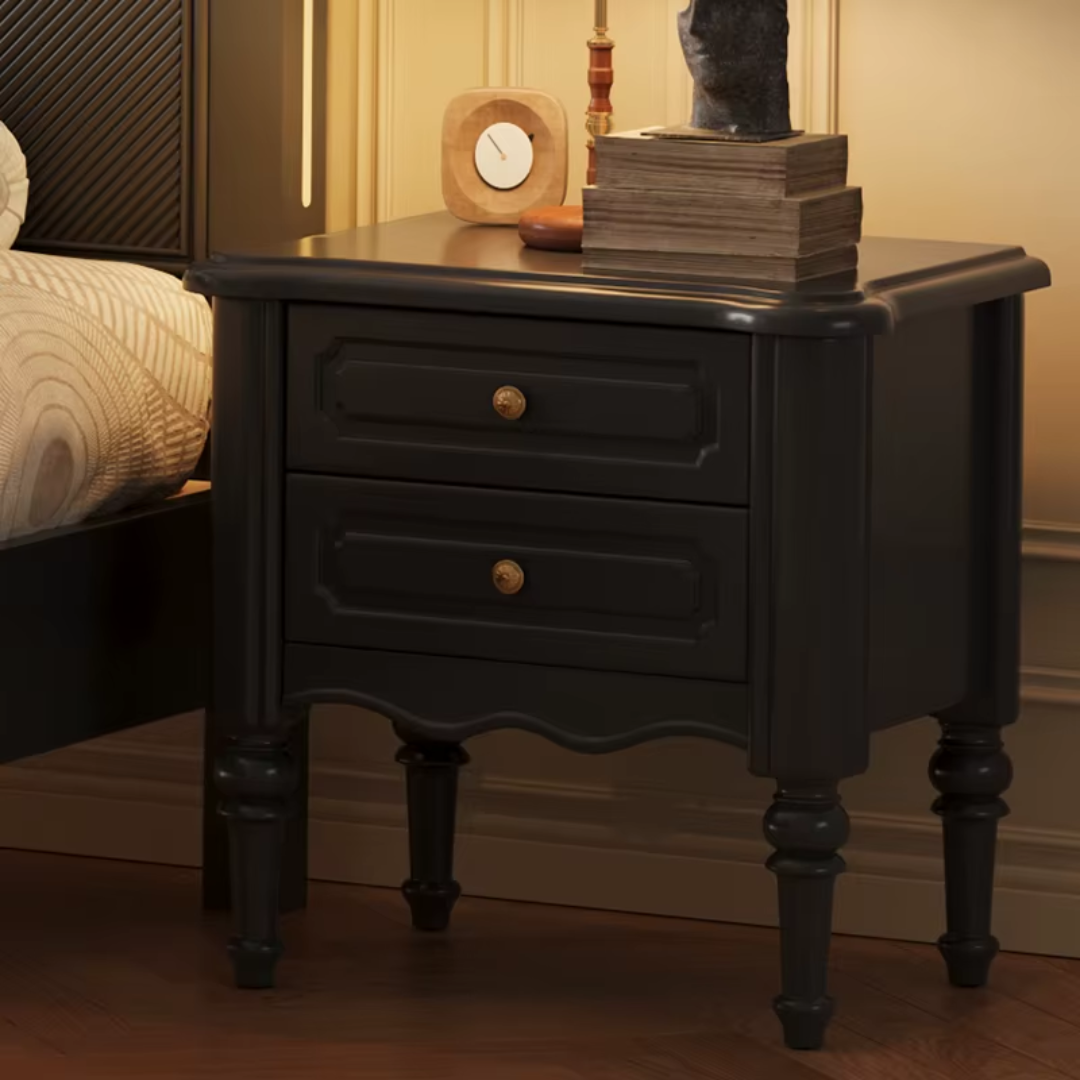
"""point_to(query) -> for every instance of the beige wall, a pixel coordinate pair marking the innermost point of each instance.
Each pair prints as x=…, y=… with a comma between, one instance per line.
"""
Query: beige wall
x=958, y=129
x=959, y=115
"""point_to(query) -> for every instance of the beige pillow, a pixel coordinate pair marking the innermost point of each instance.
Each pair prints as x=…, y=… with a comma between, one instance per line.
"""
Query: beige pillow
x=14, y=188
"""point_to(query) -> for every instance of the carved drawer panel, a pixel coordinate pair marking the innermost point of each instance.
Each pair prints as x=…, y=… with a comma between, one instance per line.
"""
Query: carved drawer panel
x=607, y=584
x=521, y=403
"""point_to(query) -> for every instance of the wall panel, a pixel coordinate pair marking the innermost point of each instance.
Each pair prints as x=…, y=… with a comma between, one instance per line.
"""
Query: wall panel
x=427, y=54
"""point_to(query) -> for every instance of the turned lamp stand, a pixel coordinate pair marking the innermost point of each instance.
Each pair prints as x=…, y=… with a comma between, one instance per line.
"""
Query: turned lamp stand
x=601, y=115
x=561, y=228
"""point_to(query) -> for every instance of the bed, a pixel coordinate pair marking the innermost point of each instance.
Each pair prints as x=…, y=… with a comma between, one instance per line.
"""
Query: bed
x=105, y=381
x=136, y=169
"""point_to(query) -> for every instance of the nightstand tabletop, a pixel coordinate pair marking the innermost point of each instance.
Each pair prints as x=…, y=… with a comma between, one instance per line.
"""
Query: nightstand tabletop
x=482, y=268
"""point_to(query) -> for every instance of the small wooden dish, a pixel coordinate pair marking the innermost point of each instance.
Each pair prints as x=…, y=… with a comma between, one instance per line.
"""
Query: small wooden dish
x=553, y=228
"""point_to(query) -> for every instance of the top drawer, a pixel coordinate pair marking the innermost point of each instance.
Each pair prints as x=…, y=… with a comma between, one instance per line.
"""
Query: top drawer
x=616, y=410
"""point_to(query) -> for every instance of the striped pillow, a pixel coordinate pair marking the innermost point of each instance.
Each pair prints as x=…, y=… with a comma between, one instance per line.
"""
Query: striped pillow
x=14, y=188
x=105, y=388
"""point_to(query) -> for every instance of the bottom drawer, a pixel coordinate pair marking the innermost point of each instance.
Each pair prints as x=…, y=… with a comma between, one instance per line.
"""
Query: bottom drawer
x=608, y=584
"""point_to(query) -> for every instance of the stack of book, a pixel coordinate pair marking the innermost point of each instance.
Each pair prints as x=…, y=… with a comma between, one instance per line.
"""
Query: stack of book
x=694, y=207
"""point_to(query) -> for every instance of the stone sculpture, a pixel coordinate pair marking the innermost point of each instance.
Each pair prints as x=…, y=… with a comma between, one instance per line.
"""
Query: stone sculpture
x=737, y=52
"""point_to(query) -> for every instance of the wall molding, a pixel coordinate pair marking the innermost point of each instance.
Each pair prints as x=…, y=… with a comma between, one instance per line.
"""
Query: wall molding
x=505, y=34
x=370, y=91
x=814, y=51
x=343, y=122
x=385, y=106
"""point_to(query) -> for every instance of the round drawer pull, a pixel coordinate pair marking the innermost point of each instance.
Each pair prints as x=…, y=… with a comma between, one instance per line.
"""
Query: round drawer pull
x=509, y=578
x=509, y=403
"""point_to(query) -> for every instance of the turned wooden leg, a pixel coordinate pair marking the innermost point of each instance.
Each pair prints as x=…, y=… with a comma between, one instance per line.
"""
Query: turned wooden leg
x=971, y=770
x=256, y=779
x=807, y=826
x=431, y=779
x=216, y=886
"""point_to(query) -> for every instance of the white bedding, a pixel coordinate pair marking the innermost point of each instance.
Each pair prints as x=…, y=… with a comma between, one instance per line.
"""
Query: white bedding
x=105, y=382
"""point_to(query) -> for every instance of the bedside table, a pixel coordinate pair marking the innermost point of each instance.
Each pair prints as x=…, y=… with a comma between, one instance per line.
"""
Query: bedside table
x=466, y=486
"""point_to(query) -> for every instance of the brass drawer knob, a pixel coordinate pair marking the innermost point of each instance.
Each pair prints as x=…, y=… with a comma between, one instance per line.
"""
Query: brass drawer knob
x=510, y=403
x=509, y=578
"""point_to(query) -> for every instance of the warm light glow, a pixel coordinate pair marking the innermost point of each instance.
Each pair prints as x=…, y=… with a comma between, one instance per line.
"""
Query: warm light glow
x=308, y=133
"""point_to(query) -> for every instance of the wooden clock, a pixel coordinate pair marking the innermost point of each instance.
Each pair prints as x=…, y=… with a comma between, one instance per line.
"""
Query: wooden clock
x=505, y=152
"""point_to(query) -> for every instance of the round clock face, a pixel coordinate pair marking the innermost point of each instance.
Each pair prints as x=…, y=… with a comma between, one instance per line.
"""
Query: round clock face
x=504, y=156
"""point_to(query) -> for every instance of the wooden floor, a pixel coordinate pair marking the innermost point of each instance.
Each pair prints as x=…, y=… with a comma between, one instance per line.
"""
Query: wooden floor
x=107, y=970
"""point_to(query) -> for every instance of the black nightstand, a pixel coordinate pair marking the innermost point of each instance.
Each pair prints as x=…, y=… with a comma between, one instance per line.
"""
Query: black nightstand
x=468, y=487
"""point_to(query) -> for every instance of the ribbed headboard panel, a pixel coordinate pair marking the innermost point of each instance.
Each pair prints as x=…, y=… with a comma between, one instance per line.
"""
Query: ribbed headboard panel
x=102, y=99
x=160, y=130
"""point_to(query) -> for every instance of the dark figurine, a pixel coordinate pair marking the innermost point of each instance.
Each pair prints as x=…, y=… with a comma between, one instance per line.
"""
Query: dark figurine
x=737, y=51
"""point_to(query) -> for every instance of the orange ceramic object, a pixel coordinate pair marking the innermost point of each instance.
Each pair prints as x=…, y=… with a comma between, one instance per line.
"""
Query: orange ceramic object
x=553, y=228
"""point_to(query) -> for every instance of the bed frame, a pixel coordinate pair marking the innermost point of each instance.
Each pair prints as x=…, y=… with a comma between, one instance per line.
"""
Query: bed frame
x=106, y=625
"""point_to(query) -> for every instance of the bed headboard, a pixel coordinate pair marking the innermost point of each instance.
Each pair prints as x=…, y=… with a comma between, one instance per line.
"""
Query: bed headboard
x=157, y=131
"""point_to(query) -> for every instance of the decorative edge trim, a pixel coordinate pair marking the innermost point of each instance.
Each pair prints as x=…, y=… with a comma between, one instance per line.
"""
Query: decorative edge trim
x=508, y=719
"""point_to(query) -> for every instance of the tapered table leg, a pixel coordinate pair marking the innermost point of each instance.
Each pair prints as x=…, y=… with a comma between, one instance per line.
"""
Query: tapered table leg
x=256, y=780
x=807, y=826
x=971, y=770
x=216, y=887
x=431, y=778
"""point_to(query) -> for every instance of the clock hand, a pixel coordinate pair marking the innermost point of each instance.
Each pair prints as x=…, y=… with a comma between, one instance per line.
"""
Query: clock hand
x=496, y=145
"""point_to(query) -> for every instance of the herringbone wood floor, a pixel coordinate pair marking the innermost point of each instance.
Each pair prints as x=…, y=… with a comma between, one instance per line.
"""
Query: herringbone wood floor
x=107, y=971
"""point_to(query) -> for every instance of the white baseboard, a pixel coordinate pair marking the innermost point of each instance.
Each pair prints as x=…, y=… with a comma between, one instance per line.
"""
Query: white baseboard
x=548, y=842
